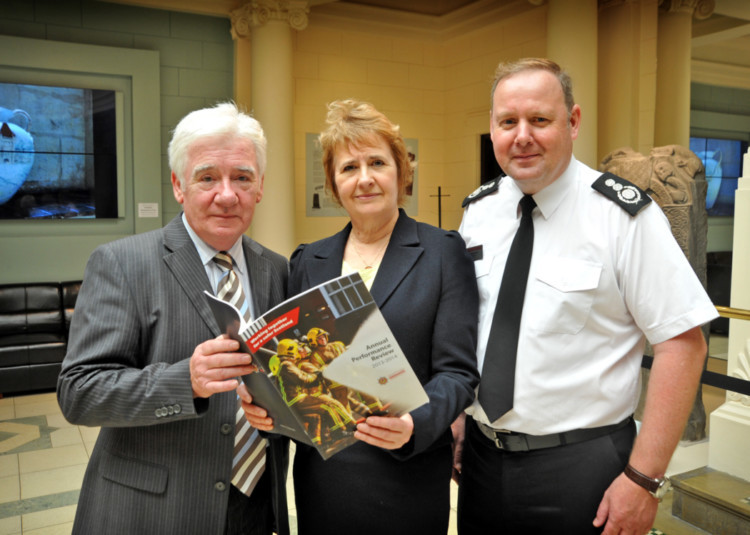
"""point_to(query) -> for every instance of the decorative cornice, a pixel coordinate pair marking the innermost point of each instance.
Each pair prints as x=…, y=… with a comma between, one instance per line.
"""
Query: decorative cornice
x=216, y=8
x=721, y=74
x=391, y=22
x=259, y=12
x=699, y=9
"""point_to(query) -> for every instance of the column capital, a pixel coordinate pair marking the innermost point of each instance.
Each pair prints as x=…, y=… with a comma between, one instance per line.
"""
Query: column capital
x=259, y=12
x=699, y=9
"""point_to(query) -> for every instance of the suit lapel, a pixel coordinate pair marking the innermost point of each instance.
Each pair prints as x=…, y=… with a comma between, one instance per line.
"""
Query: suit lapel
x=327, y=257
x=259, y=274
x=183, y=261
x=402, y=253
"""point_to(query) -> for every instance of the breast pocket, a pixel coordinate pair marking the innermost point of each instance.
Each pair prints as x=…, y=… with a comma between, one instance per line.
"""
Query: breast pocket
x=134, y=473
x=563, y=293
x=482, y=268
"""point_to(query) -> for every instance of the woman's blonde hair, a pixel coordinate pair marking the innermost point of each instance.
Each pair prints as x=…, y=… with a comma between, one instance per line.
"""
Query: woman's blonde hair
x=357, y=123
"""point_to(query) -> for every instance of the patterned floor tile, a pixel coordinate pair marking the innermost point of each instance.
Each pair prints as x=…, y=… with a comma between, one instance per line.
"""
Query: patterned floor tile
x=40, y=503
x=25, y=434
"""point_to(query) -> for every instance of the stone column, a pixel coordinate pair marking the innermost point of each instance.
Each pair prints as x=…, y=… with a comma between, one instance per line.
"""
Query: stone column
x=268, y=24
x=576, y=52
x=673, y=48
x=627, y=75
x=729, y=440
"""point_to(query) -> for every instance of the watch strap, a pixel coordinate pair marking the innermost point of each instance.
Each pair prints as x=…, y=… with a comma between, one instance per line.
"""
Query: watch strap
x=648, y=483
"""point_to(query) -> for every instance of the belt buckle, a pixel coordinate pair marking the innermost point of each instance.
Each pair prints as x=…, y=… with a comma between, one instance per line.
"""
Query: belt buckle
x=497, y=432
x=512, y=442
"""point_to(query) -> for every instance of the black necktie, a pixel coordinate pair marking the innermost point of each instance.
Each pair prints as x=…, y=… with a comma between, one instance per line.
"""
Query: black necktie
x=499, y=368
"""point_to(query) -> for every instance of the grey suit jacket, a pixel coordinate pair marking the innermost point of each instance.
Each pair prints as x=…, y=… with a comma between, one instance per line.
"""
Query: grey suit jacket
x=162, y=461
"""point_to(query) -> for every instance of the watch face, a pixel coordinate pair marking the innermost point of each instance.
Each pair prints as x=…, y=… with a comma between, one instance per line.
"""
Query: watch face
x=664, y=486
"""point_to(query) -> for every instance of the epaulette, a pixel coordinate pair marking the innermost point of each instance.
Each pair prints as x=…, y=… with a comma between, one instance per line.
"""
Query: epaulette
x=625, y=194
x=481, y=191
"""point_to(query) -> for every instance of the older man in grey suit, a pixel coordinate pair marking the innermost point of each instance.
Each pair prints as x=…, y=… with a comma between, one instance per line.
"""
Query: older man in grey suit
x=147, y=362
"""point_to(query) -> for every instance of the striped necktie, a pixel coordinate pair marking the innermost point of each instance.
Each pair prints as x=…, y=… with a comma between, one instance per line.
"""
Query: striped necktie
x=249, y=457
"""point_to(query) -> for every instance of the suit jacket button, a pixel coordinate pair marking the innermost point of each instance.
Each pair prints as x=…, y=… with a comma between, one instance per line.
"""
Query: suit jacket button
x=170, y=410
x=220, y=486
x=226, y=429
x=157, y=413
x=177, y=408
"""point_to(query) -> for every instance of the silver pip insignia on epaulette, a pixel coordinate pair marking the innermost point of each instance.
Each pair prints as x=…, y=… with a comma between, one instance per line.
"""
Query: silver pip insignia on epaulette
x=625, y=194
x=481, y=191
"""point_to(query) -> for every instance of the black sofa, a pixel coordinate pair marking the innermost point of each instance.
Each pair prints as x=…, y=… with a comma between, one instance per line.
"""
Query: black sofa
x=34, y=323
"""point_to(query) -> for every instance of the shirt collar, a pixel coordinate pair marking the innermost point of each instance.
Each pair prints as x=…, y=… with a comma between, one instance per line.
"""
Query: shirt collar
x=207, y=253
x=549, y=198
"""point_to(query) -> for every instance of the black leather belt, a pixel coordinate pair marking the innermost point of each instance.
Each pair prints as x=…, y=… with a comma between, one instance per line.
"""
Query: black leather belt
x=512, y=441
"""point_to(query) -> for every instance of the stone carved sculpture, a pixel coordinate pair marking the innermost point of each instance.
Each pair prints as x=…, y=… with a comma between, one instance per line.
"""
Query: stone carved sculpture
x=674, y=178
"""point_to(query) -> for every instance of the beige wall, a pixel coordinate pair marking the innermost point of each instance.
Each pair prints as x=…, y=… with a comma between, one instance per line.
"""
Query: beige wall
x=436, y=88
x=470, y=64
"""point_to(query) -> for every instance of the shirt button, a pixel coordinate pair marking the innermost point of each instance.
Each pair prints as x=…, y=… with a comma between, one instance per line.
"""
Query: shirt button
x=226, y=429
x=220, y=486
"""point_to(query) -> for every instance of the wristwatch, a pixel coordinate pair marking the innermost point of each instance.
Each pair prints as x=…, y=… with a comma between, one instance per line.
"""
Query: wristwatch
x=658, y=487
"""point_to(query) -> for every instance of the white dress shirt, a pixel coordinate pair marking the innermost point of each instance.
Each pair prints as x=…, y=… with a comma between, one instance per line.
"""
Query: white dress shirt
x=214, y=272
x=599, y=281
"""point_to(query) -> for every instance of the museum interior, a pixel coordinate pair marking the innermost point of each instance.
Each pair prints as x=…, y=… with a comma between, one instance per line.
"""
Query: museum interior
x=659, y=82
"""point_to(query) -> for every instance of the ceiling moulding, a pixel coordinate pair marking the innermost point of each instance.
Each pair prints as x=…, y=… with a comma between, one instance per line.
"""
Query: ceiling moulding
x=715, y=24
x=720, y=36
x=396, y=23
x=721, y=74
x=738, y=9
x=217, y=8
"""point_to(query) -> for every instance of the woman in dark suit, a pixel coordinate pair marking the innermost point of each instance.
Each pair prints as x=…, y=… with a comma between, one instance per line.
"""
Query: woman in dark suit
x=397, y=478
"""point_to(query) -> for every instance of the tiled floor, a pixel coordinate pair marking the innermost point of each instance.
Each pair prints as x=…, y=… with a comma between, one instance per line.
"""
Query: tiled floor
x=43, y=458
x=42, y=461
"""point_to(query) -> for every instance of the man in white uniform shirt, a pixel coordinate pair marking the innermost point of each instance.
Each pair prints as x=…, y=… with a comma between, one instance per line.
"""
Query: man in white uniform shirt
x=606, y=275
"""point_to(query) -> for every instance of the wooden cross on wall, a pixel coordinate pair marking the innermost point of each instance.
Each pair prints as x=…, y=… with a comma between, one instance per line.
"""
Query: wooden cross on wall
x=440, y=206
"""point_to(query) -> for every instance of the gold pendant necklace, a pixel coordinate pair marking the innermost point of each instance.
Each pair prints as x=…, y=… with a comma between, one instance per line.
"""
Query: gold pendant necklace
x=369, y=265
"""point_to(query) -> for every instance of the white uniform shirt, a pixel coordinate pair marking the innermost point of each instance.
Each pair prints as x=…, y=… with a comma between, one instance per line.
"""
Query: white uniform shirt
x=599, y=280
